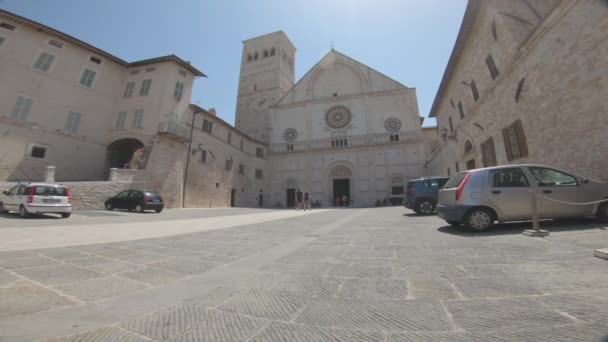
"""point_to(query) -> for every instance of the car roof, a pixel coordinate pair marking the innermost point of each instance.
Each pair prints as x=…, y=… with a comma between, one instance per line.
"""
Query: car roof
x=514, y=165
x=426, y=178
x=42, y=184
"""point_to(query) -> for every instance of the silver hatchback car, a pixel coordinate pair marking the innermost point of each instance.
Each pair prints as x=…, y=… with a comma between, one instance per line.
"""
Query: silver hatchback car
x=477, y=198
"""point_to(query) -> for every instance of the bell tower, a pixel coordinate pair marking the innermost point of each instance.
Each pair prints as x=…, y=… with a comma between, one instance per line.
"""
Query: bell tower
x=267, y=73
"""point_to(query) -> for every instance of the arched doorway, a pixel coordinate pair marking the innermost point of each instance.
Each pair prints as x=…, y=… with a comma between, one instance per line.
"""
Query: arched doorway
x=290, y=192
x=120, y=152
x=340, y=182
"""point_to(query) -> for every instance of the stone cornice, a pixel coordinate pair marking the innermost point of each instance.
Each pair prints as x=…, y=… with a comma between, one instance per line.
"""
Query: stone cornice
x=345, y=97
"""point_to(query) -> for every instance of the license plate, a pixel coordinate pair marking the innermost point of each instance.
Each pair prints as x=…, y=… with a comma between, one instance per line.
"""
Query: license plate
x=155, y=201
x=50, y=201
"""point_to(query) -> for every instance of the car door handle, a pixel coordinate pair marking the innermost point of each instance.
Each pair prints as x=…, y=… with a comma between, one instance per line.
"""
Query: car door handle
x=496, y=192
x=547, y=191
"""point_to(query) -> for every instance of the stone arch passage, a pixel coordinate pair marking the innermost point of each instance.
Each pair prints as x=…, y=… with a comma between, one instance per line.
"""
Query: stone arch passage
x=120, y=152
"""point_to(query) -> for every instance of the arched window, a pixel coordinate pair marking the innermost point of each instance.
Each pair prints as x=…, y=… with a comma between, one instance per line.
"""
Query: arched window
x=249, y=58
x=272, y=52
x=468, y=147
x=255, y=56
x=265, y=53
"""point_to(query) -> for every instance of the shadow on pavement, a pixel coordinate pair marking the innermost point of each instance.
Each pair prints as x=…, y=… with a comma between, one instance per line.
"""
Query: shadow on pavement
x=518, y=227
x=13, y=216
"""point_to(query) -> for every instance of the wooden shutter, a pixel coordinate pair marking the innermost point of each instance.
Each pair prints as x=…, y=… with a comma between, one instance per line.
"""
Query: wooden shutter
x=505, y=136
x=484, y=151
x=521, y=138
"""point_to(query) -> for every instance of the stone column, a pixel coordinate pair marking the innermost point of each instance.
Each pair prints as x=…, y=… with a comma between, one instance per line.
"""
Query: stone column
x=113, y=174
x=49, y=174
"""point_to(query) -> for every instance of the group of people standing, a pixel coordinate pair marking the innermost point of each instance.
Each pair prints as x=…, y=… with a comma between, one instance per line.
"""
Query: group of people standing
x=302, y=200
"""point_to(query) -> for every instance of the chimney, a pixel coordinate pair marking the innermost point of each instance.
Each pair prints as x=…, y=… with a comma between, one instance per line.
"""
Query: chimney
x=212, y=111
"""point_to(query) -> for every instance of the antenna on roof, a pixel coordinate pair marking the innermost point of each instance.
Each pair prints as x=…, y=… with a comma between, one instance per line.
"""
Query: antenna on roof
x=332, y=44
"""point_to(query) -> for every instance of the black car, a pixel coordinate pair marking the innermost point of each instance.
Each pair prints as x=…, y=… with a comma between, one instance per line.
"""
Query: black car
x=136, y=200
x=421, y=194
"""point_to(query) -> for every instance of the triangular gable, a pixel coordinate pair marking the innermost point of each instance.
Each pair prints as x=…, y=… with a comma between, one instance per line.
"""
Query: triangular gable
x=335, y=75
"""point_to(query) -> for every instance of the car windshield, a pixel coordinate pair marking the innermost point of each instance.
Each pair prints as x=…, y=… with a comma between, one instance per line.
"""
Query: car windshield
x=45, y=190
x=455, y=180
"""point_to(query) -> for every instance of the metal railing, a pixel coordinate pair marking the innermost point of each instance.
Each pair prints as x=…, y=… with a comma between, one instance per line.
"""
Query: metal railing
x=356, y=140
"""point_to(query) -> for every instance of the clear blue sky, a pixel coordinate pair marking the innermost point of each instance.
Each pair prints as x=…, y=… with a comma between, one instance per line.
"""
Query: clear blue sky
x=407, y=40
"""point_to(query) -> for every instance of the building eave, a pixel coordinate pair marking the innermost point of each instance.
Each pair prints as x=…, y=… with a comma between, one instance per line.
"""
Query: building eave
x=468, y=21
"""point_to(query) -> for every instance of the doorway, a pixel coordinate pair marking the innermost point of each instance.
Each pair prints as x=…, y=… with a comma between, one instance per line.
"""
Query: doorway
x=471, y=164
x=261, y=200
x=233, y=197
x=341, y=189
x=291, y=198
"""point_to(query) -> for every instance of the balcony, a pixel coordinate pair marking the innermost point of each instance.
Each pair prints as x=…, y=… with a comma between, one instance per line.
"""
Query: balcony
x=351, y=141
x=174, y=130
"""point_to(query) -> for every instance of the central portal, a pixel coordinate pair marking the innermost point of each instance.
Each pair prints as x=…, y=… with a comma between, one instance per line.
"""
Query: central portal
x=341, y=189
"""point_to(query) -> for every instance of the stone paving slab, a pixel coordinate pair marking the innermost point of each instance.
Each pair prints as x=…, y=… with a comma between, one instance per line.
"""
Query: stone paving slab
x=26, y=298
x=101, y=288
x=107, y=334
x=113, y=267
x=7, y=278
x=223, y=326
x=270, y=304
x=152, y=276
x=495, y=287
x=482, y=314
x=281, y=331
x=373, y=289
x=60, y=274
x=169, y=322
x=379, y=315
x=185, y=265
x=28, y=261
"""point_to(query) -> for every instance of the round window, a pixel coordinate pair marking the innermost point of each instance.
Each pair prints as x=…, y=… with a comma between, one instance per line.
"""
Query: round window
x=338, y=117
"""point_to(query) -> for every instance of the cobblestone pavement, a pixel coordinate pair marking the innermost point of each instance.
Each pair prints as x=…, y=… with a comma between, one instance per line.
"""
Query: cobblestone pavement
x=340, y=275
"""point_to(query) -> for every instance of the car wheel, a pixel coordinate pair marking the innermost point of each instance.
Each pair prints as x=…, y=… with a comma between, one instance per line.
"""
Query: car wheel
x=478, y=219
x=66, y=215
x=139, y=208
x=109, y=206
x=425, y=207
x=23, y=212
x=158, y=210
x=602, y=211
x=453, y=223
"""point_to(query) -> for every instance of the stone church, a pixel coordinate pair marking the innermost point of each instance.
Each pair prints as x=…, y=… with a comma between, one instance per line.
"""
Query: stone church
x=343, y=129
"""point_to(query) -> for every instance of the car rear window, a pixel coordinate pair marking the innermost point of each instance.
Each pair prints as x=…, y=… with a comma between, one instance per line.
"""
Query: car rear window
x=152, y=195
x=42, y=190
x=455, y=180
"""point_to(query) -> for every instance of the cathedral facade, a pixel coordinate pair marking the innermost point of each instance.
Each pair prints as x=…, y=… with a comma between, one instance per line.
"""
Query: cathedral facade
x=343, y=129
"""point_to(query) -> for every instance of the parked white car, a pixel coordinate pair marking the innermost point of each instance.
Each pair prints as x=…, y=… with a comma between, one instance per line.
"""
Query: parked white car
x=37, y=198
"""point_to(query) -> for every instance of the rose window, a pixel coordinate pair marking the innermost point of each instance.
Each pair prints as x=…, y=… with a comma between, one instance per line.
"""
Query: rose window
x=392, y=124
x=338, y=117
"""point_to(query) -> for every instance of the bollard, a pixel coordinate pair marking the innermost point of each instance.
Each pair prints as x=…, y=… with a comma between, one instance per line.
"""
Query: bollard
x=49, y=174
x=535, y=231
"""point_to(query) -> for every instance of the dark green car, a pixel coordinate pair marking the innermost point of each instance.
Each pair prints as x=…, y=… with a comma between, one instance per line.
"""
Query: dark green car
x=421, y=194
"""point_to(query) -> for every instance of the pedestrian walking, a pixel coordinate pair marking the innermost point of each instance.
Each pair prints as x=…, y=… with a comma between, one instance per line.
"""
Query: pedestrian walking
x=299, y=199
x=306, y=200
x=345, y=200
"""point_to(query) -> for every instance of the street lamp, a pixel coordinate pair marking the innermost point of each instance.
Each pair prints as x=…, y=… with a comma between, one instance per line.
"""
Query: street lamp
x=188, y=156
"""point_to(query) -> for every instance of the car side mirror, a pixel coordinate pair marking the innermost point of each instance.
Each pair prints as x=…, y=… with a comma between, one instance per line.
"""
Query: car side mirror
x=584, y=181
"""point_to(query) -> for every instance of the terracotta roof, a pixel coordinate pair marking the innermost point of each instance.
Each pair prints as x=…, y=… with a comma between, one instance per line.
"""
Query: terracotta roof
x=77, y=42
x=465, y=30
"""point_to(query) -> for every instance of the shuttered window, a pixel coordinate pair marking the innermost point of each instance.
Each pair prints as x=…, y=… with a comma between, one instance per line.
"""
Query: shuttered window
x=44, y=61
x=179, y=89
x=129, y=89
x=87, y=78
x=488, y=154
x=138, y=119
x=120, y=121
x=73, y=122
x=22, y=108
x=515, y=141
x=145, y=87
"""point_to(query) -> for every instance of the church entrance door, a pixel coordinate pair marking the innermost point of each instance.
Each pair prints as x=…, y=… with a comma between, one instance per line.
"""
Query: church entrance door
x=341, y=189
x=291, y=198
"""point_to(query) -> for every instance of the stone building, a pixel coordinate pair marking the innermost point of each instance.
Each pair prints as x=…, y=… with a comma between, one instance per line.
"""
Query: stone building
x=526, y=83
x=344, y=129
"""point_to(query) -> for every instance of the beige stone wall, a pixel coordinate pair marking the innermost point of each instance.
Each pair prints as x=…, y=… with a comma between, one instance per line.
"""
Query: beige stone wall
x=164, y=172
x=562, y=104
x=209, y=183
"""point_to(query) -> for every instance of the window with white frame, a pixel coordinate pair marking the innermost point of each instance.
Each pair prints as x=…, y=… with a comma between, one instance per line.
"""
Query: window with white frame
x=88, y=77
x=138, y=118
x=120, y=121
x=73, y=122
x=22, y=108
x=44, y=61
x=145, y=87
x=129, y=89
x=179, y=89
